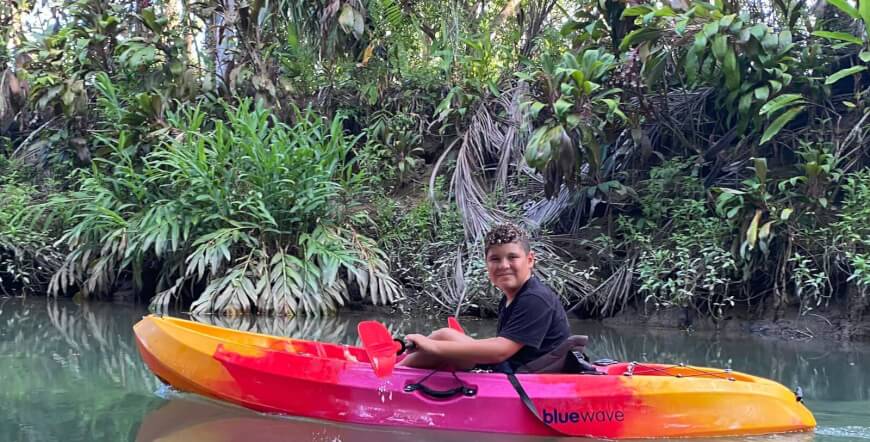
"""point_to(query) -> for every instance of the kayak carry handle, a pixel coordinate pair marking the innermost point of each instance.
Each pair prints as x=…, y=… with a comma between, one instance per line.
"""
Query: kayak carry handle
x=441, y=394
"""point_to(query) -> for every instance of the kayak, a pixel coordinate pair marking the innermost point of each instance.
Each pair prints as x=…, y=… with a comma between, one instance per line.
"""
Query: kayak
x=337, y=382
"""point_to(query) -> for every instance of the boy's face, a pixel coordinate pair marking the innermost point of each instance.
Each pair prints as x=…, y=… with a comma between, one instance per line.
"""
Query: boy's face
x=509, y=266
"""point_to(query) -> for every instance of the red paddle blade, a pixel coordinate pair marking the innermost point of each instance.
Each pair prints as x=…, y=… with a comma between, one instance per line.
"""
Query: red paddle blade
x=379, y=345
x=454, y=324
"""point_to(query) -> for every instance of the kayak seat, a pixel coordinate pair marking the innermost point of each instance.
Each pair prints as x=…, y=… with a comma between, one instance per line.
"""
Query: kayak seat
x=567, y=357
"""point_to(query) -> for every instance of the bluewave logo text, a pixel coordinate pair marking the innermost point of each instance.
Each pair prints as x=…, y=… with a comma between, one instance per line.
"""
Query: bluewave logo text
x=555, y=416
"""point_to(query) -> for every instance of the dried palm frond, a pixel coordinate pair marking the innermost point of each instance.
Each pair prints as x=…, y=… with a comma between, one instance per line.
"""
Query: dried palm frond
x=486, y=140
x=516, y=131
x=614, y=293
x=466, y=184
x=854, y=147
x=561, y=273
x=453, y=289
x=497, y=144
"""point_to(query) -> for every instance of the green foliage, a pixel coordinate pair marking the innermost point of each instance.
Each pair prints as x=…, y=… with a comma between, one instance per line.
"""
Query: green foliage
x=852, y=233
x=255, y=209
x=16, y=239
x=749, y=64
x=393, y=141
x=682, y=261
x=574, y=111
x=420, y=243
x=138, y=110
x=25, y=257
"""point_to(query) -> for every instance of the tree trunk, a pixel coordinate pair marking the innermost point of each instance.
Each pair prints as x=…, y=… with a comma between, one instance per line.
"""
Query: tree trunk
x=224, y=34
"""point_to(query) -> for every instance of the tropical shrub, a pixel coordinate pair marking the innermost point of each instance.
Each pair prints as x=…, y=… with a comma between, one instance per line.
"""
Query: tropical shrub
x=258, y=212
x=26, y=256
x=683, y=259
x=852, y=230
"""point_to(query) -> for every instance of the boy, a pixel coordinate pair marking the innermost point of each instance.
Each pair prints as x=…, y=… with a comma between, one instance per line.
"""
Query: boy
x=531, y=319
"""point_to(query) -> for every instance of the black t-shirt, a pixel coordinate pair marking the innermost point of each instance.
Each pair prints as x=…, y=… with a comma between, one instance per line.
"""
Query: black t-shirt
x=535, y=319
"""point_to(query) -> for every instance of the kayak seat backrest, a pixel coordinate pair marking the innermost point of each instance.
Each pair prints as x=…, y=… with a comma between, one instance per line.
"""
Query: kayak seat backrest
x=567, y=357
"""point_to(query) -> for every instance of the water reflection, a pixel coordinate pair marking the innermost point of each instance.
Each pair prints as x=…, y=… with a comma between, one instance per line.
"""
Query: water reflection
x=187, y=418
x=72, y=372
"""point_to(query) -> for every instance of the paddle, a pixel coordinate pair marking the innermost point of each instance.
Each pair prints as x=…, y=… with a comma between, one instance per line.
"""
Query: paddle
x=454, y=324
x=379, y=345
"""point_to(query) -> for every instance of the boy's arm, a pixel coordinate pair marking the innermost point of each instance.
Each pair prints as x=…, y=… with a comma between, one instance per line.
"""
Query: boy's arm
x=478, y=351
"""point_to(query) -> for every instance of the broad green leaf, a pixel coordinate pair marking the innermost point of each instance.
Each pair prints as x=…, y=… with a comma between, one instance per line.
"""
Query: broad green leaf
x=638, y=36
x=843, y=73
x=720, y=45
x=573, y=120
x=752, y=231
x=864, y=56
x=844, y=6
x=150, y=19
x=635, y=11
x=760, y=166
x=762, y=93
x=786, y=213
x=680, y=28
x=665, y=12
x=744, y=104
x=864, y=11
x=779, y=102
x=764, y=232
x=536, y=108
x=769, y=42
x=711, y=29
x=776, y=86
x=729, y=65
x=840, y=36
x=561, y=106
x=758, y=31
x=700, y=43
x=784, y=40
x=579, y=77
x=779, y=123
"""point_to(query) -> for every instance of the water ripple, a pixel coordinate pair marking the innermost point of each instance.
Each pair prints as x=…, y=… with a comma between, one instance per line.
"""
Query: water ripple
x=851, y=431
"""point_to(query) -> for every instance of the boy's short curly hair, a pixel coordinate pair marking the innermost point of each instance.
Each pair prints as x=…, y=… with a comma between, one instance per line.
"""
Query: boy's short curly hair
x=506, y=233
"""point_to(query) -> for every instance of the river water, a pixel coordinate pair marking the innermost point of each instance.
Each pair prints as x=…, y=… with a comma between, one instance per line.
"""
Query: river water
x=71, y=372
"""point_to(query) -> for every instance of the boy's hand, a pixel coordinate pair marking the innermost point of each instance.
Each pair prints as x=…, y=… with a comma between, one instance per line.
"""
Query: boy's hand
x=423, y=343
